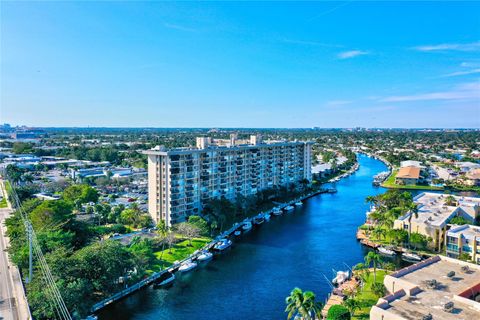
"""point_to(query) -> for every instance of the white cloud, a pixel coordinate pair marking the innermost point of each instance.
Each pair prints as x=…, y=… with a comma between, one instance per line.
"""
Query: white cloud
x=466, y=91
x=462, y=73
x=474, y=46
x=351, y=54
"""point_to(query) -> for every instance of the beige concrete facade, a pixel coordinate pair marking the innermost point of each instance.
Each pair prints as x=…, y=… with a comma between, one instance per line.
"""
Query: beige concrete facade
x=181, y=180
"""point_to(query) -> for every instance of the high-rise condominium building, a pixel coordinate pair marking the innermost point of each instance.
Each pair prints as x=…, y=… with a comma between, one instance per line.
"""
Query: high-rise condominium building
x=181, y=180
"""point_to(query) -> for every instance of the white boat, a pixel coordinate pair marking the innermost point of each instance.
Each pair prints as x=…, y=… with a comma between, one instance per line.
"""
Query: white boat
x=259, y=219
x=411, y=256
x=298, y=203
x=205, y=256
x=267, y=216
x=386, y=251
x=341, y=277
x=247, y=226
x=222, y=244
x=237, y=233
x=187, y=266
x=289, y=208
x=277, y=212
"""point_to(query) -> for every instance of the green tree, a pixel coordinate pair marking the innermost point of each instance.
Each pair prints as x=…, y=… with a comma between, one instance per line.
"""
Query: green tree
x=302, y=303
x=375, y=259
x=200, y=223
x=378, y=289
x=50, y=214
x=81, y=193
x=338, y=312
x=352, y=305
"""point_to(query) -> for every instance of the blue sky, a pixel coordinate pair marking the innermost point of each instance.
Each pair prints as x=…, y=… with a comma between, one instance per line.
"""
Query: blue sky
x=250, y=64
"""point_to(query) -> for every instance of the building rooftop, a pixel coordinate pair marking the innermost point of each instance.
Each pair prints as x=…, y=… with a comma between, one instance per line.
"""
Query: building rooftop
x=433, y=210
x=409, y=172
x=413, y=297
x=411, y=163
x=467, y=230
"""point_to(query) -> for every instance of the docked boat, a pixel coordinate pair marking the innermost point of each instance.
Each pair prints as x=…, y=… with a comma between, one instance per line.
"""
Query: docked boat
x=289, y=208
x=187, y=266
x=259, y=219
x=223, y=244
x=277, y=212
x=205, y=256
x=267, y=217
x=298, y=203
x=411, y=256
x=247, y=226
x=386, y=251
x=341, y=277
x=237, y=233
x=165, y=279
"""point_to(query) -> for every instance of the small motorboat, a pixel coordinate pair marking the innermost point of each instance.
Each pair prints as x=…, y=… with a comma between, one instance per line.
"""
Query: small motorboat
x=386, y=251
x=289, y=208
x=277, y=212
x=222, y=244
x=165, y=279
x=259, y=219
x=237, y=233
x=267, y=217
x=204, y=256
x=341, y=277
x=187, y=266
x=411, y=256
x=247, y=226
x=298, y=203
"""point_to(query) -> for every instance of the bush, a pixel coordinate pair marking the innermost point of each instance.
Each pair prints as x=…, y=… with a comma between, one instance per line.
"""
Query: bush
x=338, y=312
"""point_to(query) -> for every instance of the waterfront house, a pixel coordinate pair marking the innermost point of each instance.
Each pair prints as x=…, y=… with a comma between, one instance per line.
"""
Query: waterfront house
x=407, y=175
x=434, y=213
x=436, y=288
x=463, y=239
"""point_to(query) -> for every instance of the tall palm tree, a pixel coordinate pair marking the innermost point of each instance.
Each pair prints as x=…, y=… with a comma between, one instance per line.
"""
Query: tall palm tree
x=375, y=259
x=302, y=303
x=413, y=209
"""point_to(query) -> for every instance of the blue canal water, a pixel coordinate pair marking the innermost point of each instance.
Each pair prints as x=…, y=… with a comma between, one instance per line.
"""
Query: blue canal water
x=251, y=280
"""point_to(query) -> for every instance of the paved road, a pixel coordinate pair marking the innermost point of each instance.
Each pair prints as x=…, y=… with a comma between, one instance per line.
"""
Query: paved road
x=7, y=296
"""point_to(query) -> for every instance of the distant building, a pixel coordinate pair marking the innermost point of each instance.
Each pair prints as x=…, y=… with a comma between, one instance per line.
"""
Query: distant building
x=463, y=239
x=181, y=180
x=473, y=177
x=434, y=214
x=407, y=175
x=467, y=166
x=411, y=163
x=439, y=288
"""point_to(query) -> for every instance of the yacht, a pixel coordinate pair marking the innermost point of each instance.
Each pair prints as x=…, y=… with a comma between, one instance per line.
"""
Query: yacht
x=205, y=256
x=298, y=203
x=277, y=212
x=341, y=277
x=386, y=251
x=165, y=279
x=187, y=266
x=289, y=208
x=247, y=226
x=411, y=256
x=259, y=219
x=267, y=217
x=222, y=244
x=237, y=233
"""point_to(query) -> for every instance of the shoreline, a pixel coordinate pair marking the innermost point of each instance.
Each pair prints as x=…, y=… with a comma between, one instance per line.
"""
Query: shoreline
x=209, y=246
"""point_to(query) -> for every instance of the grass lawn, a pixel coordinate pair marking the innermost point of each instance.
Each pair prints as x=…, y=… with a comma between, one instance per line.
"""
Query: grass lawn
x=179, y=251
x=3, y=203
x=390, y=183
x=366, y=297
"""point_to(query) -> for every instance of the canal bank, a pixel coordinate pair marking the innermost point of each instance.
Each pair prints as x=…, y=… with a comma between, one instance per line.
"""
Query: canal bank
x=253, y=279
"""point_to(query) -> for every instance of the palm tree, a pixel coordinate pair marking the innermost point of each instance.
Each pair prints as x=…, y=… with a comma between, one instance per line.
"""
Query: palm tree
x=352, y=305
x=302, y=303
x=373, y=257
x=450, y=200
x=379, y=233
x=413, y=209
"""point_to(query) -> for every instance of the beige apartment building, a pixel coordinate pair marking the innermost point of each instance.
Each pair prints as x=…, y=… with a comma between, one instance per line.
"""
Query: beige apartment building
x=181, y=180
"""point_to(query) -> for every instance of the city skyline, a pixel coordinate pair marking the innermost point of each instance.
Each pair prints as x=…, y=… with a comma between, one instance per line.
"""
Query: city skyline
x=245, y=65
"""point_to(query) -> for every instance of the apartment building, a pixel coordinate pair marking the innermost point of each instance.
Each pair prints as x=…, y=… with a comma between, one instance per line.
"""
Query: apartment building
x=463, y=239
x=181, y=180
x=435, y=210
